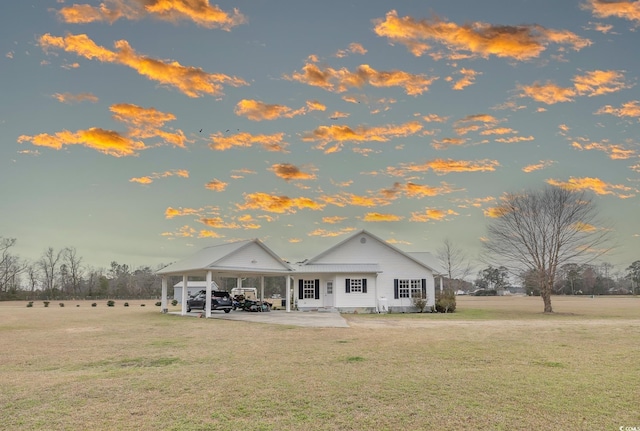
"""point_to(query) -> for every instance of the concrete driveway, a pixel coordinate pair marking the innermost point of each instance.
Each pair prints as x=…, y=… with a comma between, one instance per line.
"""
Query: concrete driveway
x=315, y=319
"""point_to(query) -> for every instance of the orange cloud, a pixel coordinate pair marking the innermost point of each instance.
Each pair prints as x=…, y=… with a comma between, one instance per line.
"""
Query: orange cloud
x=468, y=78
x=593, y=83
x=431, y=214
x=538, y=166
x=191, y=81
x=258, y=111
x=413, y=190
x=145, y=123
x=198, y=11
x=75, y=98
x=289, y=172
x=183, y=173
x=628, y=109
x=218, y=223
x=596, y=185
x=478, y=39
x=269, y=142
x=442, y=166
x=629, y=10
x=277, y=204
x=216, y=185
x=378, y=217
x=339, y=80
x=354, y=48
x=495, y=212
x=445, y=143
x=330, y=234
x=105, y=141
x=513, y=139
x=333, y=219
x=614, y=151
x=170, y=212
x=350, y=199
x=340, y=134
x=434, y=118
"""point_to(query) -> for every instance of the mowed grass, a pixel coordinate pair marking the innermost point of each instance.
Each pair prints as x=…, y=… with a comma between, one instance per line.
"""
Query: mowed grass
x=497, y=364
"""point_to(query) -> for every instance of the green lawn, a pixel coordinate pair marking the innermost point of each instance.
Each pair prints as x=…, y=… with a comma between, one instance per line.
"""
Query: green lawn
x=496, y=364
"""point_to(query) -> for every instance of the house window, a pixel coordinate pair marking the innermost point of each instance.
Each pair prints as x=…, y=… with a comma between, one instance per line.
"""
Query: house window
x=410, y=288
x=356, y=285
x=329, y=287
x=308, y=289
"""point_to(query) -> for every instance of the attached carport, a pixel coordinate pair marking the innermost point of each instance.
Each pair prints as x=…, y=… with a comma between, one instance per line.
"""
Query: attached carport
x=237, y=259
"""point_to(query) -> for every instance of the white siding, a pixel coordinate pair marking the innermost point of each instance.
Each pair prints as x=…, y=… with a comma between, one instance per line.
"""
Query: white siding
x=252, y=256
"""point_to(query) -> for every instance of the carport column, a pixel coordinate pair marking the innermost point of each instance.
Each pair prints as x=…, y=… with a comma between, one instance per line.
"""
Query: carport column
x=163, y=299
x=207, y=306
x=185, y=289
x=441, y=277
x=261, y=289
x=288, y=289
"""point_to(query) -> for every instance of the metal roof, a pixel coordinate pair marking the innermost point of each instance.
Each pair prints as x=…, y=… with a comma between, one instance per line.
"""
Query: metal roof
x=336, y=268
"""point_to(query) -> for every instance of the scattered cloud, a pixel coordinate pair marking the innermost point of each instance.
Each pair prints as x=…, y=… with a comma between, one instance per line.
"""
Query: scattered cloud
x=198, y=11
x=289, y=172
x=340, y=80
x=171, y=212
x=216, y=185
x=331, y=234
x=75, y=98
x=475, y=39
x=379, y=217
x=273, y=142
x=105, y=141
x=614, y=151
x=148, y=179
x=629, y=109
x=542, y=164
x=443, y=144
x=593, y=83
x=145, y=123
x=596, y=185
x=354, y=48
x=468, y=78
x=277, y=204
x=431, y=215
x=513, y=139
x=442, y=166
x=191, y=81
x=625, y=9
x=339, y=134
x=435, y=118
x=258, y=111
x=333, y=219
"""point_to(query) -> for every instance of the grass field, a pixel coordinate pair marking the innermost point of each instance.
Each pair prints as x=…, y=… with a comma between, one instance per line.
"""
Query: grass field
x=496, y=364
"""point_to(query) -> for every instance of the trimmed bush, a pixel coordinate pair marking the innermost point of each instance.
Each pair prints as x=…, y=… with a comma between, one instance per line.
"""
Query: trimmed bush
x=446, y=302
x=30, y=304
x=126, y=304
x=61, y=304
x=158, y=304
x=174, y=302
x=46, y=303
x=111, y=303
x=94, y=304
x=142, y=305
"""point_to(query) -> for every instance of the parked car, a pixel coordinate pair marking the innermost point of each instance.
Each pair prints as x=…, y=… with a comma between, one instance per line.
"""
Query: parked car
x=220, y=300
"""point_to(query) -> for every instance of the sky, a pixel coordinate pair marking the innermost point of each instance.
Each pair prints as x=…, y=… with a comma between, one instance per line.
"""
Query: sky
x=140, y=131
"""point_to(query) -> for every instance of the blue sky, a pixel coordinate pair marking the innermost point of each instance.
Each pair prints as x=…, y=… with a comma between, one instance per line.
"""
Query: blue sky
x=140, y=131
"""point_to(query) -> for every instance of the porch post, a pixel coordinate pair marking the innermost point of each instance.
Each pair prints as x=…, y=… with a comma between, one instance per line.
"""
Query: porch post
x=261, y=289
x=163, y=299
x=288, y=289
x=441, y=284
x=185, y=289
x=207, y=305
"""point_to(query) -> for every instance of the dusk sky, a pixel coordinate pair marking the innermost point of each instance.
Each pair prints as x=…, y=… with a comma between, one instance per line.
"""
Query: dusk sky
x=143, y=130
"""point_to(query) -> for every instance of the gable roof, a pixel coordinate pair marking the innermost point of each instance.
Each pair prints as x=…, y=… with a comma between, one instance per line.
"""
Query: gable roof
x=212, y=258
x=419, y=258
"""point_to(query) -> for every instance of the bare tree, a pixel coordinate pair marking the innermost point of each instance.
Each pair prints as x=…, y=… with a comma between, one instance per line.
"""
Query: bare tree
x=49, y=265
x=74, y=271
x=545, y=229
x=10, y=267
x=454, y=261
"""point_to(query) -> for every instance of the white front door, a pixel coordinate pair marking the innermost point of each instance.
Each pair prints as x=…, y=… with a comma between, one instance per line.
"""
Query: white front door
x=328, y=294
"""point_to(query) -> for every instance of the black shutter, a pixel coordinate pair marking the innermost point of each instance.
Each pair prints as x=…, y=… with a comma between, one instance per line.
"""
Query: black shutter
x=395, y=289
x=424, y=288
x=300, y=290
x=348, y=285
x=364, y=285
x=317, y=289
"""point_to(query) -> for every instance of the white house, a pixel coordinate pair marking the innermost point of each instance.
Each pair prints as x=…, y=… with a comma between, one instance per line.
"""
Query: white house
x=363, y=273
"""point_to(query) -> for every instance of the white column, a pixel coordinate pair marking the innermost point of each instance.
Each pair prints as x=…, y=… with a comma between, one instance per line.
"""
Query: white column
x=288, y=284
x=207, y=306
x=185, y=283
x=441, y=284
x=163, y=299
x=261, y=290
